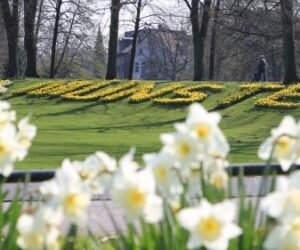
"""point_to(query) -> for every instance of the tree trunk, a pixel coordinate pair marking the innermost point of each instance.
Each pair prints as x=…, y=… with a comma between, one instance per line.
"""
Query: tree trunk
x=11, y=21
x=194, y=16
x=135, y=38
x=290, y=71
x=203, y=34
x=199, y=35
x=54, y=40
x=215, y=30
x=30, y=8
x=3, y=47
x=111, y=72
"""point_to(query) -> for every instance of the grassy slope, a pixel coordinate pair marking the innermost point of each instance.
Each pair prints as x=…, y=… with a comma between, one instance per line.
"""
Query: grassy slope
x=74, y=130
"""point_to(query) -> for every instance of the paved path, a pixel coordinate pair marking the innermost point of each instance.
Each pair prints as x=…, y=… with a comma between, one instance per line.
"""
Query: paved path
x=99, y=221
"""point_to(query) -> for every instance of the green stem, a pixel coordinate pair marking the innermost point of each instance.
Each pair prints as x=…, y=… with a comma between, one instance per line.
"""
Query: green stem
x=70, y=243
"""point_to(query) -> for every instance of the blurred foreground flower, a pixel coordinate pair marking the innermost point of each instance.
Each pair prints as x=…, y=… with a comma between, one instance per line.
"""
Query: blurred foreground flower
x=284, y=236
x=135, y=192
x=96, y=171
x=203, y=126
x=162, y=167
x=284, y=202
x=67, y=193
x=283, y=143
x=39, y=230
x=14, y=141
x=210, y=225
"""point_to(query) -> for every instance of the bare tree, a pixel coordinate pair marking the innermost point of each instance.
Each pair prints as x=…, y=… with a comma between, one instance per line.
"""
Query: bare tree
x=111, y=71
x=99, y=56
x=290, y=71
x=199, y=33
x=11, y=21
x=30, y=9
x=72, y=30
x=214, y=33
x=57, y=6
x=38, y=22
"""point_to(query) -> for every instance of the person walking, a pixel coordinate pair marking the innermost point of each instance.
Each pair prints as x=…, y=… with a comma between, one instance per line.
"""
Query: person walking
x=261, y=69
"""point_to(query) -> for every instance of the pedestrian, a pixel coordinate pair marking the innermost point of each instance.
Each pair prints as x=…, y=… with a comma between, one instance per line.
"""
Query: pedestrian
x=261, y=69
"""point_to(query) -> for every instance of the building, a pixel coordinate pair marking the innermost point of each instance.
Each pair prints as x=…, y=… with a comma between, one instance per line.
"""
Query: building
x=160, y=54
x=3, y=47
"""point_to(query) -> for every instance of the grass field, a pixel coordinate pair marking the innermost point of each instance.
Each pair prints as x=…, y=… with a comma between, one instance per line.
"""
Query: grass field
x=76, y=129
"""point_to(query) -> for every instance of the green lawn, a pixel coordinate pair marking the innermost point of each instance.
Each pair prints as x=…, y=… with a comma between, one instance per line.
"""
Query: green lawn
x=76, y=129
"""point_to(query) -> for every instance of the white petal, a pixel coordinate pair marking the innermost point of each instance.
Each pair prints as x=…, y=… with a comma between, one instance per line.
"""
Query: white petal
x=219, y=244
x=194, y=242
x=225, y=211
x=188, y=218
x=4, y=105
x=273, y=204
x=285, y=164
x=264, y=151
x=153, y=211
x=231, y=231
x=274, y=239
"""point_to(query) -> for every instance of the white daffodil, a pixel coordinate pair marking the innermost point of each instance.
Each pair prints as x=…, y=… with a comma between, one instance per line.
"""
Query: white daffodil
x=285, y=201
x=203, y=126
x=3, y=90
x=135, y=192
x=127, y=165
x=193, y=178
x=219, y=179
x=210, y=225
x=212, y=171
x=107, y=164
x=96, y=171
x=7, y=83
x=182, y=147
x=67, y=192
x=283, y=144
x=38, y=231
x=4, y=105
x=284, y=236
x=214, y=162
x=6, y=115
x=162, y=167
x=26, y=132
x=9, y=149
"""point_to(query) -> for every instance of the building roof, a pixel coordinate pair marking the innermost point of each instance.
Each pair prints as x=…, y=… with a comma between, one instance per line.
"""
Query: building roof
x=126, y=50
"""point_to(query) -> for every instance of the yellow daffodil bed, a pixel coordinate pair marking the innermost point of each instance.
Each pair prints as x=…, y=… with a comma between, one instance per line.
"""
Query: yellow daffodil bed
x=277, y=95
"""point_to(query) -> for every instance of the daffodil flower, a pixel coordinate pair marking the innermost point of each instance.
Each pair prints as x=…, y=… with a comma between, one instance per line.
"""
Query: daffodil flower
x=284, y=236
x=283, y=144
x=162, y=167
x=67, y=193
x=135, y=192
x=284, y=202
x=40, y=230
x=210, y=225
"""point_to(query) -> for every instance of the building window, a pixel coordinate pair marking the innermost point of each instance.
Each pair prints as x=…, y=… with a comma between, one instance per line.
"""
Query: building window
x=137, y=68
